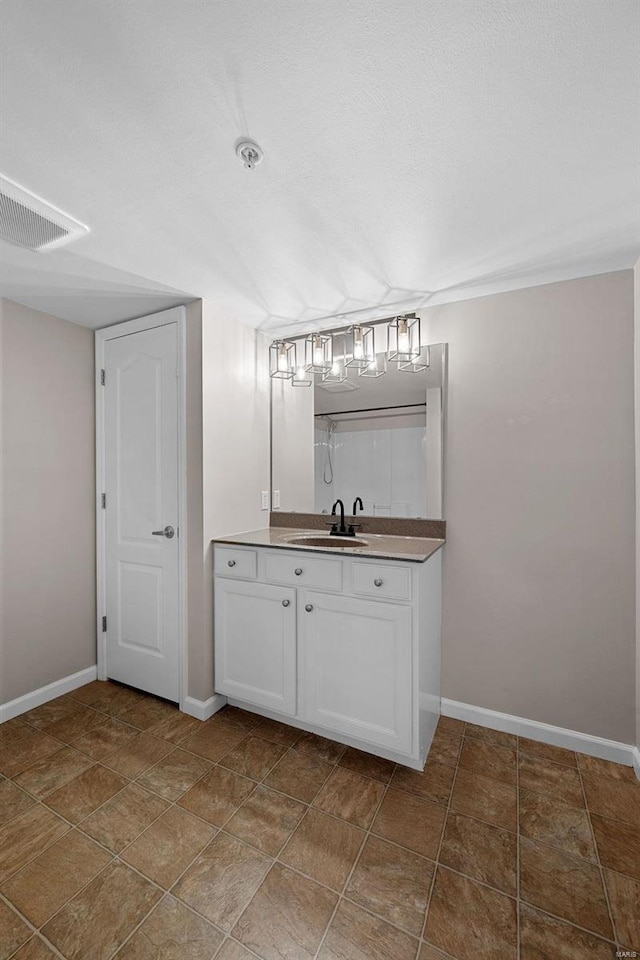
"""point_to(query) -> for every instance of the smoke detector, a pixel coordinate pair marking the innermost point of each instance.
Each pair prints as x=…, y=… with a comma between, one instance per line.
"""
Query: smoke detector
x=249, y=152
x=29, y=221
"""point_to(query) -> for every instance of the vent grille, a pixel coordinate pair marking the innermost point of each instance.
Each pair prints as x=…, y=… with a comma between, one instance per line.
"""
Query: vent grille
x=30, y=222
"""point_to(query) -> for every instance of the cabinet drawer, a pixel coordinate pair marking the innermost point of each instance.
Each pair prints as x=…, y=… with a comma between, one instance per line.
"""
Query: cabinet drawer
x=300, y=569
x=380, y=580
x=236, y=563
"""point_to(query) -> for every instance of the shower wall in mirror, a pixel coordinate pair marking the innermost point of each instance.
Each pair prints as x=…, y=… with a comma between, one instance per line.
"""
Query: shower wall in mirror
x=380, y=439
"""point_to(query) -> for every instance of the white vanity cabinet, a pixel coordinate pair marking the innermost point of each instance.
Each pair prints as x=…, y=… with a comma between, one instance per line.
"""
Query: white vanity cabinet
x=345, y=646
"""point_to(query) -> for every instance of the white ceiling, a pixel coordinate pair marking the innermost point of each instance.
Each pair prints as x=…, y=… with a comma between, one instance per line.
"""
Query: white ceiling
x=415, y=150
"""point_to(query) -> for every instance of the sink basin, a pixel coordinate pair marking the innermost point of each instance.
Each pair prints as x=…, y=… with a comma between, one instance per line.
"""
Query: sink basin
x=320, y=541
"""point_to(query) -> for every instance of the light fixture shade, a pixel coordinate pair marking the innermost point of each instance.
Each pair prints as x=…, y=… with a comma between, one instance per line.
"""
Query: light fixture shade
x=338, y=371
x=318, y=353
x=360, y=347
x=377, y=359
x=300, y=376
x=422, y=363
x=404, y=340
x=281, y=359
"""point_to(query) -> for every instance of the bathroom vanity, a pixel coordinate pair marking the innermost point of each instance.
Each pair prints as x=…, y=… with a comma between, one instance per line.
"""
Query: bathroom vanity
x=341, y=640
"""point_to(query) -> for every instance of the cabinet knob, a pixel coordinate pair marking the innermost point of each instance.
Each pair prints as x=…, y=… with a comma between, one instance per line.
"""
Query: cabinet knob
x=285, y=603
x=309, y=607
x=231, y=563
x=377, y=582
x=298, y=571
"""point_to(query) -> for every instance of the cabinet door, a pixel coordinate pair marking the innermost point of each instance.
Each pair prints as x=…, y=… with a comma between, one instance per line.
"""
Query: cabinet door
x=255, y=643
x=356, y=668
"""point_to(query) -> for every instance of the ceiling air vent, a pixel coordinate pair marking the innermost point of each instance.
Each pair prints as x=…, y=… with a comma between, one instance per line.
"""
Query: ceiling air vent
x=30, y=222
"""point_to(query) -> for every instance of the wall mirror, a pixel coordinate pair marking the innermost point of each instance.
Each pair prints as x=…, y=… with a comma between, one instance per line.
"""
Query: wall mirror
x=380, y=438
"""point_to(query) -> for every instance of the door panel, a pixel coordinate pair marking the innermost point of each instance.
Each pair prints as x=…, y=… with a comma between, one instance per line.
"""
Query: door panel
x=255, y=649
x=141, y=484
x=356, y=669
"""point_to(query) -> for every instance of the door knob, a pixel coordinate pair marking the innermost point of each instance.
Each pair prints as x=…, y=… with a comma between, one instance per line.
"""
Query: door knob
x=309, y=607
x=168, y=532
x=377, y=582
x=285, y=603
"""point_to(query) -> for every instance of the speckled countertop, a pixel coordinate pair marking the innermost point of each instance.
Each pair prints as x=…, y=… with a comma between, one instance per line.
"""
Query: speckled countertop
x=375, y=545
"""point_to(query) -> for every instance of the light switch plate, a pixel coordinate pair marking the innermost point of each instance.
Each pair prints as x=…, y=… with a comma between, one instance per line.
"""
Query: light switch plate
x=265, y=500
x=276, y=499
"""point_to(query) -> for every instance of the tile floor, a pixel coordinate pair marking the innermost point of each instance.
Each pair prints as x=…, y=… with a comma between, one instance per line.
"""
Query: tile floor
x=128, y=829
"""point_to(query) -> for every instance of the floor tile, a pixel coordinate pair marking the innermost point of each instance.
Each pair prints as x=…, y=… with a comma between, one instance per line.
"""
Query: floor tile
x=276, y=731
x=35, y=949
x=451, y=725
x=445, y=748
x=319, y=748
x=29, y=749
x=486, y=799
x=138, y=755
x=13, y=801
x=613, y=798
x=489, y=760
x=429, y=952
x=217, y=796
x=393, y=883
x=618, y=845
x=550, y=779
x=148, y=712
x=77, y=724
x=411, y=822
x=105, y=739
x=561, y=884
x=432, y=783
x=497, y=737
x=239, y=718
x=172, y=932
x=298, y=776
x=470, y=921
x=117, y=824
x=624, y=899
x=556, y=823
x=81, y=796
x=102, y=915
x=13, y=730
x=26, y=836
x=356, y=935
x=221, y=881
x=547, y=751
x=324, y=848
x=253, y=757
x=350, y=796
x=546, y=938
x=48, y=713
x=123, y=699
x=481, y=851
x=232, y=950
x=168, y=846
x=266, y=819
x=45, y=884
x=13, y=931
x=214, y=740
x=287, y=917
x=594, y=767
x=174, y=774
x=53, y=771
x=176, y=728
x=367, y=765
x=96, y=694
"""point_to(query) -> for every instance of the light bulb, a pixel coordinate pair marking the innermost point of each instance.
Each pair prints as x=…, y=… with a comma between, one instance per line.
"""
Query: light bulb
x=335, y=369
x=358, y=345
x=404, y=345
x=300, y=374
x=318, y=352
x=283, y=364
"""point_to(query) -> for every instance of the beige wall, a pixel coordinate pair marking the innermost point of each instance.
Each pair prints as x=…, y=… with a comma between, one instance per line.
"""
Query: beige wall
x=636, y=327
x=48, y=605
x=293, y=445
x=539, y=500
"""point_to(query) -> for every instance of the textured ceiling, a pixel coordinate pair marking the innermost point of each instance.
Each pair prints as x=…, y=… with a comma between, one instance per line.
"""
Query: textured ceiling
x=415, y=150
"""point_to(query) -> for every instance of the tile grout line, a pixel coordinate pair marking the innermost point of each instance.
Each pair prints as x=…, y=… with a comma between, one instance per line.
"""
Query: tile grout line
x=598, y=861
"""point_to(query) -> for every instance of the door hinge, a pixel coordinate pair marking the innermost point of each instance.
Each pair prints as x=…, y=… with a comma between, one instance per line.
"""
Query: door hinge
x=104, y=624
x=103, y=500
x=103, y=377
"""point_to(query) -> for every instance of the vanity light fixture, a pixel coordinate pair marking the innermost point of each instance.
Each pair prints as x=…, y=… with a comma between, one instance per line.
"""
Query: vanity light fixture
x=318, y=352
x=404, y=340
x=300, y=376
x=422, y=363
x=338, y=372
x=376, y=365
x=360, y=348
x=282, y=359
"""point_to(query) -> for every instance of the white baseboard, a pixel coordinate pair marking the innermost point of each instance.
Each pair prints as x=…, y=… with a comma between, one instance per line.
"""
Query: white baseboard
x=43, y=694
x=203, y=709
x=544, y=732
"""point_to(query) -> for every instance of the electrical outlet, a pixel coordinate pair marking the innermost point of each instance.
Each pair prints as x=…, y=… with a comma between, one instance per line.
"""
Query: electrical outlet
x=265, y=500
x=276, y=499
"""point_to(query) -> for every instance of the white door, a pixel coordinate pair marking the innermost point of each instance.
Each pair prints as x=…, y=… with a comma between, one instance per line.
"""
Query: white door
x=356, y=668
x=141, y=516
x=255, y=630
